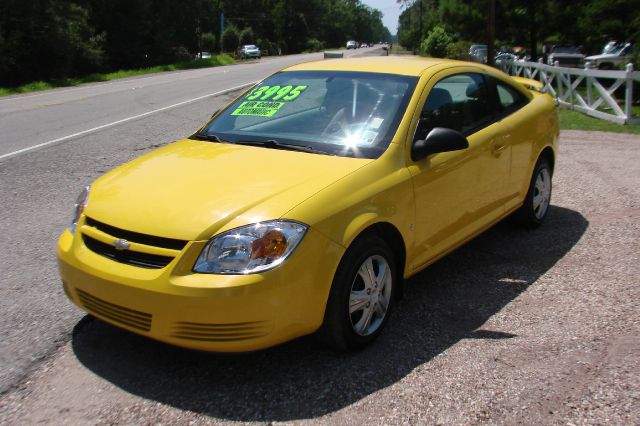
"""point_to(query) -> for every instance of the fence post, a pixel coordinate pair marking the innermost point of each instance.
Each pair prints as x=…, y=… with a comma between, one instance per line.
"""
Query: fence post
x=628, y=101
x=560, y=93
x=589, y=87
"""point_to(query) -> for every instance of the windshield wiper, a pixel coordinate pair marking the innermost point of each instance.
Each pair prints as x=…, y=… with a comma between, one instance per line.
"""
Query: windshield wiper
x=208, y=137
x=274, y=144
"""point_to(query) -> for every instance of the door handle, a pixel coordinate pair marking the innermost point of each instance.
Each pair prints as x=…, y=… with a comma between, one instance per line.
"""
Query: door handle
x=497, y=149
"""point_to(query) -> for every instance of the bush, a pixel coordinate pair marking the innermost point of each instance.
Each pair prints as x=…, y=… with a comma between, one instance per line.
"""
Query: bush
x=230, y=39
x=436, y=43
x=246, y=36
x=314, y=45
x=208, y=42
x=458, y=50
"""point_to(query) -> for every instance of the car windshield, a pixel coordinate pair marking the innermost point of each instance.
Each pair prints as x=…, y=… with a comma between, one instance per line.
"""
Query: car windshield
x=250, y=47
x=566, y=49
x=333, y=112
x=620, y=50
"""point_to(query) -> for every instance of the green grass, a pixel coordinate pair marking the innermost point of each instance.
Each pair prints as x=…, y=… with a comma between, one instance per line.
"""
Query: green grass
x=399, y=50
x=214, y=61
x=572, y=120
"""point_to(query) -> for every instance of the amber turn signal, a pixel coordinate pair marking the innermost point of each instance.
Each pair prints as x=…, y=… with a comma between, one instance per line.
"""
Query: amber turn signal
x=272, y=245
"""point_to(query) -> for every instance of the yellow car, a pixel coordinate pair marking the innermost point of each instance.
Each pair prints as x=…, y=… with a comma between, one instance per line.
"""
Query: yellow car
x=304, y=204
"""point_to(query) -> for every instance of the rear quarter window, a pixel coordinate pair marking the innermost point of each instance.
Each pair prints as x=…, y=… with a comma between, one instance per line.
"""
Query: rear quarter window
x=509, y=98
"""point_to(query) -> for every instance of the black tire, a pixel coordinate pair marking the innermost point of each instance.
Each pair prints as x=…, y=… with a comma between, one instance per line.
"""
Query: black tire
x=532, y=214
x=340, y=329
x=606, y=66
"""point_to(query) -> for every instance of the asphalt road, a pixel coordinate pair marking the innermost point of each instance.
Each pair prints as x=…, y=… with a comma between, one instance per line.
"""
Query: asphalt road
x=515, y=327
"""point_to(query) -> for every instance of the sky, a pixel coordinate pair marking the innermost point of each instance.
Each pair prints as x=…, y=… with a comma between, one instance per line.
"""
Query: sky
x=391, y=11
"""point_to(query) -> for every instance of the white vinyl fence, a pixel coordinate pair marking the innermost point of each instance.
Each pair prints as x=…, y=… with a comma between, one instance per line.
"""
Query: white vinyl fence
x=591, y=92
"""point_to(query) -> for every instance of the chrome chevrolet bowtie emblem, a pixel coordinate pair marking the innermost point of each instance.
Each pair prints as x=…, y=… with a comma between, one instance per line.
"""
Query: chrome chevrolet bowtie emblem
x=121, y=245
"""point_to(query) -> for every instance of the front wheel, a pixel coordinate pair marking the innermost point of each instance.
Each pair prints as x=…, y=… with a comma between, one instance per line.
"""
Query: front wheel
x=361, y=296
x=536, y=203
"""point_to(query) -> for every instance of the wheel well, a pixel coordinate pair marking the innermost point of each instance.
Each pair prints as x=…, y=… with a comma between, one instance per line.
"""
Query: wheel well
x=393, y=237
x=548, y=155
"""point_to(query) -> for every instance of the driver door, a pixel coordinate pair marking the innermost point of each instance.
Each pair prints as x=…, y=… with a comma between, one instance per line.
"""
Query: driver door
x=459, y=193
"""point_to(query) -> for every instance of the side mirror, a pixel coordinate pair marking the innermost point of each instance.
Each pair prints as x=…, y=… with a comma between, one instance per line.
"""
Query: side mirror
x=440, y=139
x=215, y=113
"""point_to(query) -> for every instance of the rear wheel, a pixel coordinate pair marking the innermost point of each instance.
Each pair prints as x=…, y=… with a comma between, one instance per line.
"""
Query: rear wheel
x=361, y=296
x=536, y=204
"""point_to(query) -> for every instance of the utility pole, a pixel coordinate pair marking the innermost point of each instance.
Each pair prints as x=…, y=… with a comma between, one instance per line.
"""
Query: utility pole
x=221, y=7
x=421, y=20
x=533, y=33
x=199, y=33
x=491, y=31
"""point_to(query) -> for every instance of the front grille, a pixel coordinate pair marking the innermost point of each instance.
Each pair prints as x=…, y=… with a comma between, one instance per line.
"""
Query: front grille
x=116, y=313
x=136, y=237
x=571, y=62
x=221, y=332
x=129, y=257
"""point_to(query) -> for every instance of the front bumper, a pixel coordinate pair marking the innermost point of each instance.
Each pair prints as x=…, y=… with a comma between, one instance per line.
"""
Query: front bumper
x=226, y=313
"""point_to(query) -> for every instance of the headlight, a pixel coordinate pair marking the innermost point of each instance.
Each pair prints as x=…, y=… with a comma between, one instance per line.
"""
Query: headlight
x=81, y=204
x=250, y=249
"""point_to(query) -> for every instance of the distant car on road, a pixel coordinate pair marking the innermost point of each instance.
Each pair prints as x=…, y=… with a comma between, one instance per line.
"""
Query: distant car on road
x=566, y=56
x=306, y=202
x=617, y=55
x=352, y=44
x=250, y=51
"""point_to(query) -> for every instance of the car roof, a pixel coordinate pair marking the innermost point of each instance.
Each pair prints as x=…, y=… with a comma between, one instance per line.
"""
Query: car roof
x=409, y=65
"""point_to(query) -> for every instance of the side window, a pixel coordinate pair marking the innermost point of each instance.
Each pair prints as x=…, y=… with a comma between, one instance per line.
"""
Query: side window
x=509, y=98
x=459, y=102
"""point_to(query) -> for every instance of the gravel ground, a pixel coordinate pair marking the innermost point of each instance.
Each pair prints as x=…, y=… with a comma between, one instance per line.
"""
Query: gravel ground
x=534, y=327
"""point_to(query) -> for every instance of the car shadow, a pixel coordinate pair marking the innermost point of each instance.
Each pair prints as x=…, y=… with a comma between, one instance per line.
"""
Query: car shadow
x=447, y=302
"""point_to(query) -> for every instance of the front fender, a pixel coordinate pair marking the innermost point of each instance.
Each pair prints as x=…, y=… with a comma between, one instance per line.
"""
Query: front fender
x=380, y=192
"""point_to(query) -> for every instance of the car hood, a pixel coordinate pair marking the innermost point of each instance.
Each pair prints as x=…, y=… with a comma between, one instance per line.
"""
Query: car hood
x=190, y=190
x=602, y=56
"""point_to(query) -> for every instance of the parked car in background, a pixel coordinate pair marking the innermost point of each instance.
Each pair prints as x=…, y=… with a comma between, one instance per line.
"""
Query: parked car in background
x=618, y=55
x=250, y=51
x=479, y=55
x=352, y=44
x=474, y=47
x=502, y=59
x=203, y=55
x=305, y=204
x=566, y=56
x=609, y=46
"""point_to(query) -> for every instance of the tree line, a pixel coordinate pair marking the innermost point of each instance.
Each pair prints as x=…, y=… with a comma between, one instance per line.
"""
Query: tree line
x=55, y=39
x=528, y=23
